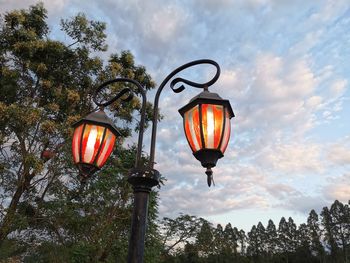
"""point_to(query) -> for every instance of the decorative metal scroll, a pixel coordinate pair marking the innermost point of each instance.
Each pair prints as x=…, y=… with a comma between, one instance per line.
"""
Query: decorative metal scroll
x=128, y=98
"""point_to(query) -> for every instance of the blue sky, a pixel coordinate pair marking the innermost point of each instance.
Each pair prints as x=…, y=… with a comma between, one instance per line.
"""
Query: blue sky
x=285, y=69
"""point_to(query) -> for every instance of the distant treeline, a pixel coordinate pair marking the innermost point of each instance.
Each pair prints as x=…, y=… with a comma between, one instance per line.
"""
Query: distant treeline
x=323, y=238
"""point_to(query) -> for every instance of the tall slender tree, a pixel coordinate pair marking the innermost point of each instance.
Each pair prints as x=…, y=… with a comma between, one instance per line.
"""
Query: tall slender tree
x=303, y=250
x=271, y=239
x=257, y=242
x=315, y=234
x=231, y=237
x=242, y=241
x=287, y=237
x=339, y=214
x=205, y=239
x=329, y=234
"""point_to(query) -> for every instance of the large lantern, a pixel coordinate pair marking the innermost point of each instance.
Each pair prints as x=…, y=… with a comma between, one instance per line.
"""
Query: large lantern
x=93, y=141
x=207, y=128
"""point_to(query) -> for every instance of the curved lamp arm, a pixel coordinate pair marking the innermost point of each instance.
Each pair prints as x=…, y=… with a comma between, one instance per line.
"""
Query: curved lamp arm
x=178, y=90
x=130, y=96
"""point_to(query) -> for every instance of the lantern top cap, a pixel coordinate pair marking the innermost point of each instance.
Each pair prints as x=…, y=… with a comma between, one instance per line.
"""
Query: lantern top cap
x=99, y=118
x=207, y=97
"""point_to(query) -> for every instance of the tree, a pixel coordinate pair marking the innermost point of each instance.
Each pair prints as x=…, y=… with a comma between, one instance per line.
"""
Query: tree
x=179, y=231
x=315, y=234
x=257, y=242
x=340, y=219
x=329, y=233
x=219, y=240
x=231, y=237
x=287, y=237
x=242, y=240
x=271, y=238
x=205, y=239
x=303, y=251
x=190, y=254
x=46, y=86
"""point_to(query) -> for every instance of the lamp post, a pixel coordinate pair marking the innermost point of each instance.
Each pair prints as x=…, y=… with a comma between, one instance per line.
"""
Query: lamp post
x=206, y=120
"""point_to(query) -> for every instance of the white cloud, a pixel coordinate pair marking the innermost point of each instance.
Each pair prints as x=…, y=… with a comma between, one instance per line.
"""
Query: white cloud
x=278, y=103
x=230, y=193
x=310, y=40
x=304, y=203
x=338, y=87
x=163, y=25
x=292, y=158
x=329, y=11
x=338, y=188
x=314, y=102
x=339, y=153
x=281, y=79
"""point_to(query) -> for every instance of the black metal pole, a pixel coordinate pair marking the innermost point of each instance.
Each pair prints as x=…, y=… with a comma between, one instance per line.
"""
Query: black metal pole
x=139, y=225
x=142, y=180
x=139, y=222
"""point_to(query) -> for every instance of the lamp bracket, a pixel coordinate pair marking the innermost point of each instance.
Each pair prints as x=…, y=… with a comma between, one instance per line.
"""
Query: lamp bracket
x=121, y=93
x=178, y=90
x=192, y=83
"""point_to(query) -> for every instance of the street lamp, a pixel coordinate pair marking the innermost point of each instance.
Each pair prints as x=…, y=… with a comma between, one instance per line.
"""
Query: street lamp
x=207, y=128
x=93, y=141
x=206, y=121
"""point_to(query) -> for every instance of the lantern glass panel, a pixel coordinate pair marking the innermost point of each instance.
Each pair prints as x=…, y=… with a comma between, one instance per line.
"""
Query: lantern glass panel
x=212, y=123
x=192, y=128
x=226, y=133
x=106, y=149
x=76, y=143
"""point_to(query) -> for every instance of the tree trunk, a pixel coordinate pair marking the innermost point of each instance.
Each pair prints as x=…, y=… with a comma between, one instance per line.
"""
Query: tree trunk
x=8, y=219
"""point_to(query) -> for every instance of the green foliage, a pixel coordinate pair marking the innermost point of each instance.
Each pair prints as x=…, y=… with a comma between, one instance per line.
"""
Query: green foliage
x=46, y=86
x=205, y=239
x=85, y=32
x=179, y=231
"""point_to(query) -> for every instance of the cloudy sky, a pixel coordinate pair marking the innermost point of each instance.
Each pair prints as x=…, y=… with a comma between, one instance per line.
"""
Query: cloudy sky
x=285, y=69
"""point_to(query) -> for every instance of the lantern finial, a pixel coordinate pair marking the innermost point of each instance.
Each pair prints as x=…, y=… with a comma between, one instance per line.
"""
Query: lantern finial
x=210, y=177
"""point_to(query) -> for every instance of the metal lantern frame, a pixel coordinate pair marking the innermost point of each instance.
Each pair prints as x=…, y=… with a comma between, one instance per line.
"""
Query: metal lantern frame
x=142, y=178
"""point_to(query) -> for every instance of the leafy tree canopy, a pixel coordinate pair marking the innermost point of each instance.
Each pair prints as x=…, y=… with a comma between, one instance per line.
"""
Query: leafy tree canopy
x=46, y=86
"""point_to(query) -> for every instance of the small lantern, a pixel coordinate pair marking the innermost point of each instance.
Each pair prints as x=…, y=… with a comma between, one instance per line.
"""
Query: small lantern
x=93, y=141
x=207, y=128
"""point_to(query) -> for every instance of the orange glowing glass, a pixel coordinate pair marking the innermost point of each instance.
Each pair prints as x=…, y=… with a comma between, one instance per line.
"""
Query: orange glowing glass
x=92, y=144
x=207, y=126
